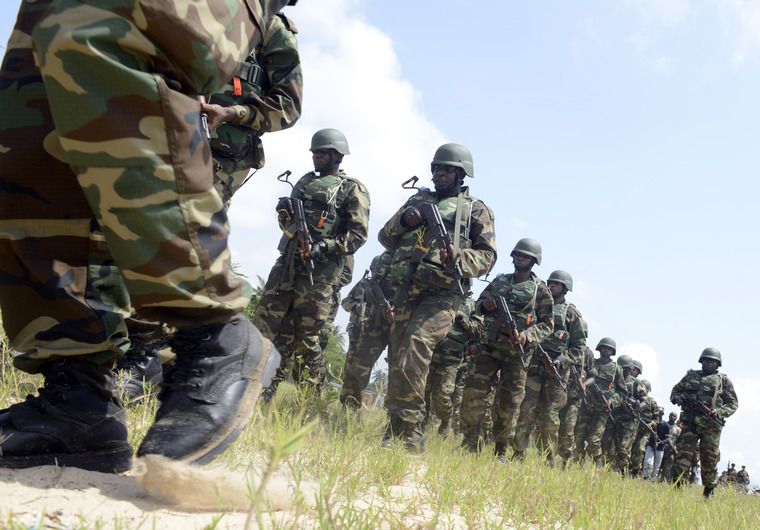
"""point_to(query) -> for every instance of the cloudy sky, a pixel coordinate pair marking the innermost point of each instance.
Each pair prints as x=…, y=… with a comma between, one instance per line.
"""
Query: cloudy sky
x=623, y=136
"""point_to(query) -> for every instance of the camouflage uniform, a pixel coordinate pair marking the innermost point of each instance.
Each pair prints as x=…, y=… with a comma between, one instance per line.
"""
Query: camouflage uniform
x=618, y=436
x=638, y=449
x=717, y=392
x=544, y=397
x=594, y=417
x=121, y=172
x=456, y=397
x=444, y=366
x=337, y=213
x=426, y=299
x=669, y=454
x=568, y=416
x=369, y=333
x=266, y=96
x=531, y=305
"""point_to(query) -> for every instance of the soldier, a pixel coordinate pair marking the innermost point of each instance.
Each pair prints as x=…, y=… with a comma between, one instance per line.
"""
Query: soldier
x=546, y=394
x=621, y=428
x=264, y=96
x=369, y=329
x=650, y=418
x=706, y=398
x=669, y=455
x=576, y=395
x=743, y=478
x=431, y=282
x=608, y=390
x=447, y=358
x=120, y=213
x=336, y=211
x=529, y=300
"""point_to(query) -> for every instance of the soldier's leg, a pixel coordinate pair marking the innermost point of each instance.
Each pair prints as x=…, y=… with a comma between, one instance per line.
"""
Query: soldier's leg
x=552, y=399
x=638, y=450
x=709, y=454
x=512, y=391
x=358, y=372
x=534, y=383
x=311, y=311
x=478, y=385
x=596, y=429
x=608, y=440
x=624, y=436
x=456, y=397
x=687, y=443
x=419, y=326
x=443, y=385
x=568, y=418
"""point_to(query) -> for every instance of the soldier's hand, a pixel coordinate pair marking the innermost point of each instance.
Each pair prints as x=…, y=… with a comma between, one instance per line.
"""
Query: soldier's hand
x=389, y=314
x=217, y=114
x=473, y=349
x=521, y=337
x=284, y=204
x=489, y=304
x=680, y=400
x=412, y=217
x=447, y=257
x=459, y=316
x=318, y=250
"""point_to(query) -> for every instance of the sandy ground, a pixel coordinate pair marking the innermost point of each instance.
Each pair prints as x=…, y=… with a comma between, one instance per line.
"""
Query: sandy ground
x=165, y=495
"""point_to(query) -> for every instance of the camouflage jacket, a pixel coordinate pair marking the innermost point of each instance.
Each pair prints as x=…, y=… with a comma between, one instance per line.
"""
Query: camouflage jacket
x=359, y=302
x=609, y=378
x=634, y=389
x=531, y=305
x=477, y=242
x=649, y=413
x=568, y=340
x=714, y=390
x=585, y=368
x=337, y=213
x=266, y=95
x=467, y=329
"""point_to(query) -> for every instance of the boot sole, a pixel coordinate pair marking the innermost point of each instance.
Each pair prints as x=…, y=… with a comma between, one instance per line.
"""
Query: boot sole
x=104, y=461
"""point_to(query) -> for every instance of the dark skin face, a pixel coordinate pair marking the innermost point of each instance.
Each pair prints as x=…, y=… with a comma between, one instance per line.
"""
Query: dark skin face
x=710, y=366
x=523, y=263
x=635, y=372
x=326, y=161
x=558, y=291
x=672, y=418
x=605, y=354
x=447, y=182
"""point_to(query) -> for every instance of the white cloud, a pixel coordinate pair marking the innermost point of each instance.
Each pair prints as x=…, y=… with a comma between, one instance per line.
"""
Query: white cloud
x=667, y=12
x=741, y=22
x=648, y=358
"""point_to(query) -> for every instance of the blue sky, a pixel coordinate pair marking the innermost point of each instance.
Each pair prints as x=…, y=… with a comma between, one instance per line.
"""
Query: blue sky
x=621, y=135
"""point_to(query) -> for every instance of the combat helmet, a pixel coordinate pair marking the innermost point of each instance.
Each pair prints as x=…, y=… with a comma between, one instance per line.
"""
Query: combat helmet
x=529, y=247
x=711, y=353
x=561, y=277
x=607, y=341
x=329, y=139
x=625, y=361
x=648, y=386
x=637, y=364
x=454, y=155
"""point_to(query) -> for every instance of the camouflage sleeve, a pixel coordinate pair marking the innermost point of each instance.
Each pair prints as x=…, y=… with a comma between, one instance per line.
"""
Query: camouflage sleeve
x=576, y=348
x=678, y=389
x=354, y=213
x=354, y=296
x=730, y=400
x=544, y=325
x=485, y=294
x=621, y=391
x=393, y=229
x=471, y=325
x=639, y=391
x=280, y=107
x=588, y=363
x=481, y=257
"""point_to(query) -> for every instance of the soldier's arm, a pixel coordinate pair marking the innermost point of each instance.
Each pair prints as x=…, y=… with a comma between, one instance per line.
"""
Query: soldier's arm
x=393, y=229
x=621, y=391
x=538, y=332
x=677, y=390
x=576, y=348
x=481, y=257
x=730, y=400
x=487, y=293
x=280, y=107
x=354, y=209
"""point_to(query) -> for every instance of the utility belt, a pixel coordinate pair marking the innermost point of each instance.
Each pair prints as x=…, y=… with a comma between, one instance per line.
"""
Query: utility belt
x=251, y=73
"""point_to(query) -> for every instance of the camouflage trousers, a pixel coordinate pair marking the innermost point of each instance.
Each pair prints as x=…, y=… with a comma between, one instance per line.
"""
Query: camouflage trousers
x=540, y=408
x=102, y=173
x=363, y=352
x=456, y=396
x=227, y=183
x=422, y=320
x=441, y=380
x=617, y=441
x=292, y=315
x=666, y=466
x=638, y=449
x=588, y=433
x=568, y=418
x=511, y=382
x=709, y=452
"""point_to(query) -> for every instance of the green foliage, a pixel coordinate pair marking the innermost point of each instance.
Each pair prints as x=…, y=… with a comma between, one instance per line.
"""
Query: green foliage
x=335, y=359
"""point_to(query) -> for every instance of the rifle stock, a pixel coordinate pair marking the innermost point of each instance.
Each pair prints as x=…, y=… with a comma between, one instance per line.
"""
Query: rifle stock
x=435, y=224
x=697, y=406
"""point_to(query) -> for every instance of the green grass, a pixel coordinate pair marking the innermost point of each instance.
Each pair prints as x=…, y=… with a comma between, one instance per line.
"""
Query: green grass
x=315, y=440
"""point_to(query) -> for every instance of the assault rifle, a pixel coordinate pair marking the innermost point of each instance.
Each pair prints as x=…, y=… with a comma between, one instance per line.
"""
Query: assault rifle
x=578, y=382
x=697, y=406
x=549, y=366
x=302, y=230
x=600, y=396
x=436, y=230
x=638, y=417
x=672, y=445
x=379, y=299
x=504, y=320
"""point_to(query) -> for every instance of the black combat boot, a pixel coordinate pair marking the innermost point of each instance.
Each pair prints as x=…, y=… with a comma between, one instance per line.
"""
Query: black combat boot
x=139, y=372
x=444, y=429
x=393, y=432
x=210, y=393
x=500, y=450
x=414, y=438
x=708, y=492
x=472, y=440
x=77, y=420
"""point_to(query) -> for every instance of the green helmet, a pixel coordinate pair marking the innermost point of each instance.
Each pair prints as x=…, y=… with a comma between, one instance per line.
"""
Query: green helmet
x=561, y=277
x=529, y=247
x=711, y=353
x=606, y=341
x=637, y=364
x=647, y=384
x=329, y=139
x=625, y=361
x=454, y=155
